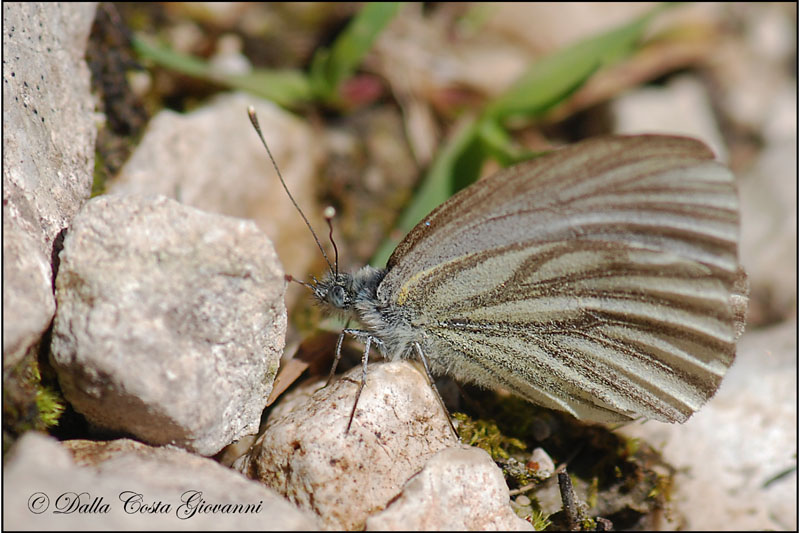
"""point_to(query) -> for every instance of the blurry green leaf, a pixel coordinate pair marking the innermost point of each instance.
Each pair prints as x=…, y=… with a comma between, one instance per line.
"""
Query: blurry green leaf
x=290, y=88
x=287, y=88
x=500, y=145
x=548, y=82
x=465, y=169
x=435, y=188
x=475, y=17
x=554, y=78
x=329, y=68
x=168, y=58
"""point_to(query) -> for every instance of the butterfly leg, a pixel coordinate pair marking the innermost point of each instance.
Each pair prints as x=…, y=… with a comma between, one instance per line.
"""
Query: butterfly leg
x=364, y=360
x=424, y=360
x=337, y=356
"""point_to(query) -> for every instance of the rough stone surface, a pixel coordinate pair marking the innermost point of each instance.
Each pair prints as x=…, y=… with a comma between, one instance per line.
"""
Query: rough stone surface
x=28, y=298
x=459, y=489
x=41, y=477
x=48, y=155
x=542, y=463
x=305, y=454
x=212, y=159
x=170, y=321
x=735, y=449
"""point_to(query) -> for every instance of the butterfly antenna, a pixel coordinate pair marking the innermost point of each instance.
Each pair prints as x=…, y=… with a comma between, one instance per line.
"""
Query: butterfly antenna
x=251, y=112
x=289, y=278
x=329, y=213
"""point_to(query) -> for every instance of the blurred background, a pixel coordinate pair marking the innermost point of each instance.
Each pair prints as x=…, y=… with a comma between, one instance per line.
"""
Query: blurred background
x=385, y=110
x=394, y=107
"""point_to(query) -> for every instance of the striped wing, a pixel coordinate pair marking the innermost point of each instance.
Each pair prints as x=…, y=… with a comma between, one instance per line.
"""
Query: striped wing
x=601, y=279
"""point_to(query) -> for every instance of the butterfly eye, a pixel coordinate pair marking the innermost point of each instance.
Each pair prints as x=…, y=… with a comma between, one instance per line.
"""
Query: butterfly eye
x=337, y=296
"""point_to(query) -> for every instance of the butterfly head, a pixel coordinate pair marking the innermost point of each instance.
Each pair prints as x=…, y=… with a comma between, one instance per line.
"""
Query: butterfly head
x=335, y=291
x=347, y=292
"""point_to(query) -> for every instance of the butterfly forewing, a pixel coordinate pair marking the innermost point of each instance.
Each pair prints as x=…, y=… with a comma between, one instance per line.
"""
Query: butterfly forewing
x=590, y=189
x=597, y=280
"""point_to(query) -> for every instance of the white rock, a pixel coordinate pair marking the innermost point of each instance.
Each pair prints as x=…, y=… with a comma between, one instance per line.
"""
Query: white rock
x=732, y=449
x=305, y=454
x=48, y=155
x=41, y=478
x=544, y=463
x=27, y=293
x=212, y=159
x=170, y=321
x=459, y=489
x=547, y=26
x=752, y=67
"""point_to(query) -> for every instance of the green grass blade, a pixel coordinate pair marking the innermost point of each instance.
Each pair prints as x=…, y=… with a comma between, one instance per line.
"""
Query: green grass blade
x=329, y=68
x=168, y=58
x=547, y=83
x=554, y=78
x=436, y=185
x=288, y=88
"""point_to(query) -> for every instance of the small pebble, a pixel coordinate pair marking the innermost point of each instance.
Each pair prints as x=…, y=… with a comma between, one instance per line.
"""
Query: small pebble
x=541, y=463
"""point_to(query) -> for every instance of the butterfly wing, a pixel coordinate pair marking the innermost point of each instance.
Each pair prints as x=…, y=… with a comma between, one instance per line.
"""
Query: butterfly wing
x=601, y=279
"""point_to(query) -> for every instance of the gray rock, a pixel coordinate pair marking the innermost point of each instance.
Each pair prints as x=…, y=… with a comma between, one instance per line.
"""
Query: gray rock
x=48, y=155
x=170, y=321
x=125, y=485
x=305, y=454
x=740, y=450
x=459, y=489
x=212, y=159
x=28, y=298
x=542, y=463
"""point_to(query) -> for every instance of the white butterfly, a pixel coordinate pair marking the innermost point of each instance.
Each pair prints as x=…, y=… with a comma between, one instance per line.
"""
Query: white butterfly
x=601, y=279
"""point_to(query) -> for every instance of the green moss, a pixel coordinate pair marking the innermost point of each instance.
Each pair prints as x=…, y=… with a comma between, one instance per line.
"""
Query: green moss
x=50, y=405
x=539, y=520
x=662, y=489
x=28, y=402
x=486, y=435
x=594, y=489
x=628, y=447
x=49, y=402
x=616, y=477
x=100, y=174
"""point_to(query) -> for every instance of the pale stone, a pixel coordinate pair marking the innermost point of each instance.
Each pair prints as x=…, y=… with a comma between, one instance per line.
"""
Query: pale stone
x=305, y=454
x=732, y=450
x=459, y=489
x=212, y=159
x=126, y=485
x=170, y=321
x=682, y=107
x=48, y=155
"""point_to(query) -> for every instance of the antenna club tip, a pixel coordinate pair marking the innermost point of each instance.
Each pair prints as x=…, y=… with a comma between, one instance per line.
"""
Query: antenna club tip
x=251, y=112
x=329, y=212
x=288, y=278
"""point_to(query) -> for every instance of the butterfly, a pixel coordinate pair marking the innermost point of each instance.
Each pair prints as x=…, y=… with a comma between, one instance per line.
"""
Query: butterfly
x=601, y=279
